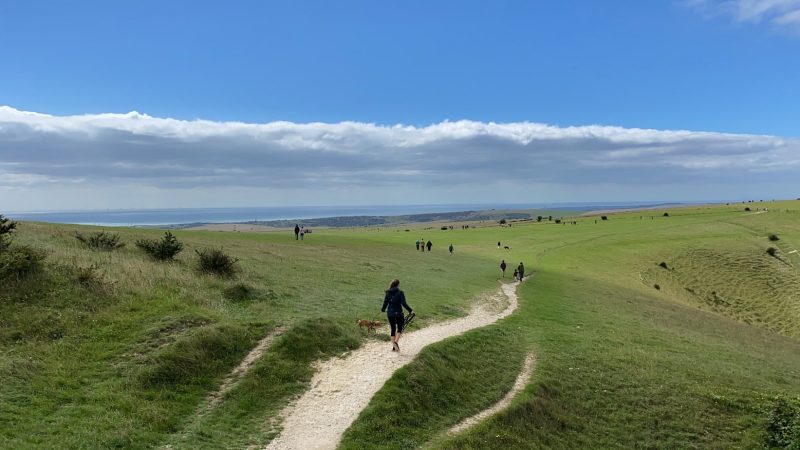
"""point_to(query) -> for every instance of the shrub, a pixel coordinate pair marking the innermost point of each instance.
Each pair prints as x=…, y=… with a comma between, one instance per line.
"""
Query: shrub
x=604, y=217
x=539, y=218
x=663, y=264
x=89, y=277
x=161, y=250
x=7, y=226
x=747, y=208
x=239, y=292
x=100, y=240
x=20, y=261
x=666, y=214
x=658, y=288
x=558, y=220
x=774, y=237
x=444, y=228
x=502, y=221
x=216, y=262
x=783, y=426
x=772, y=251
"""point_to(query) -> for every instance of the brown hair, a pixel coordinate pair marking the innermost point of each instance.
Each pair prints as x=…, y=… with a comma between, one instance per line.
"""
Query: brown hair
x=393, y=284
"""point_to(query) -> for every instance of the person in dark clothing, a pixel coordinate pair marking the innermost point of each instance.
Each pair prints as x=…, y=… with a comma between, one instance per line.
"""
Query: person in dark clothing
x=430, y=244
x=296, y=231
x=503, y=267
x=521, y=270
x=395, y=301
x=417, y=244
x=451, y=249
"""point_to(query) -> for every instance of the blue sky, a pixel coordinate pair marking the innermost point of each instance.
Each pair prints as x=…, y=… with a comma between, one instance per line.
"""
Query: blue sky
x=650, y=64
x=727, y=66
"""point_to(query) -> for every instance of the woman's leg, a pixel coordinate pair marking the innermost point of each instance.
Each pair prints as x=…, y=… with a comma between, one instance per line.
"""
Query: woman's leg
x=393, y=326
x=401, y=321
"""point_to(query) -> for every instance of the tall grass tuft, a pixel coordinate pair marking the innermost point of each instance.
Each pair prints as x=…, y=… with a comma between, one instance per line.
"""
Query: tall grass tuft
x=239, y=292
x=197, y=359
x=215, y=262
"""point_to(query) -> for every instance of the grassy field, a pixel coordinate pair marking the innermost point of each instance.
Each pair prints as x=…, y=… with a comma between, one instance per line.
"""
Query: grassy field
x=692, y=353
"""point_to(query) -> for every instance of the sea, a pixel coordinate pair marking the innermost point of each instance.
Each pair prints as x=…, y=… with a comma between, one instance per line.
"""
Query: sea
x=177, y=216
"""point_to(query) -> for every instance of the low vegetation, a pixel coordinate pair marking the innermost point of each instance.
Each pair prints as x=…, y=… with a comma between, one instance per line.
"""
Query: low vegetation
x=216, y=262
x=100, y=240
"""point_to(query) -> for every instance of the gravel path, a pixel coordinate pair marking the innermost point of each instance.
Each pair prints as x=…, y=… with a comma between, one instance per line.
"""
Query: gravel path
x=342, y=387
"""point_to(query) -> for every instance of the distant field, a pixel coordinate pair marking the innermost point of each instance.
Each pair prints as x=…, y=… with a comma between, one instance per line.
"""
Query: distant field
x=692, y=353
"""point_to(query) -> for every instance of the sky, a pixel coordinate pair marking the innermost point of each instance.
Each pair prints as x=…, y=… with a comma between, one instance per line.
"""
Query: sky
x=153, y=104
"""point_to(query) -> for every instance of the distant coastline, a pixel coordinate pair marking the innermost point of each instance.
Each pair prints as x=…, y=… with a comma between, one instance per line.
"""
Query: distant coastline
x=326, y=216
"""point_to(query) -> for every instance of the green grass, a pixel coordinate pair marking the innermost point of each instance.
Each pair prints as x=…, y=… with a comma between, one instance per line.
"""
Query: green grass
x=703, y=362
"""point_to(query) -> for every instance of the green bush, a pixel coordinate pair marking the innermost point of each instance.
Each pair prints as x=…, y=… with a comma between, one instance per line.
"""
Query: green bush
x=6, y=228
x=215, y=262
x=161, y=250
x=772, y=251
x=666, y=214
x=19, y=261
x=783, y=426
x=100, y=240
x=774, y=237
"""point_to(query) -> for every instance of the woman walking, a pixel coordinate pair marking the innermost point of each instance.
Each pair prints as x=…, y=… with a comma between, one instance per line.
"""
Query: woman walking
x=395, y=301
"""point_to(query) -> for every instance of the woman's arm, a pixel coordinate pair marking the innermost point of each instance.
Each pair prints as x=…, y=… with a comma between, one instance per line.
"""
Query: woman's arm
x=385, y=302
x=403, y=301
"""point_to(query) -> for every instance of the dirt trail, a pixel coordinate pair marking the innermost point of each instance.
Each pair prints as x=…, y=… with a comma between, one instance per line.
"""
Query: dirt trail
x=522, y=379
x=342, y=387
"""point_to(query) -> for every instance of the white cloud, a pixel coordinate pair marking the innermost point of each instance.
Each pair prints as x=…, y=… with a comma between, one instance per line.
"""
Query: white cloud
x=781, y=13
x=49, y=160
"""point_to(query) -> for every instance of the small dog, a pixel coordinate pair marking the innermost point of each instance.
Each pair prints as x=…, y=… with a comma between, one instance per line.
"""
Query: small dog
x=507, y=247
x=370, y=324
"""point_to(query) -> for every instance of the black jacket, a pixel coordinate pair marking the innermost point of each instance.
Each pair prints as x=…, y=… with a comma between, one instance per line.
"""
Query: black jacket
x=395, y=300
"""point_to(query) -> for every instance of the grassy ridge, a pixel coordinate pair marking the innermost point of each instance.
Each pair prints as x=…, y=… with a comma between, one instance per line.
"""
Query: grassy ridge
x=74, y=355
x=619, y=363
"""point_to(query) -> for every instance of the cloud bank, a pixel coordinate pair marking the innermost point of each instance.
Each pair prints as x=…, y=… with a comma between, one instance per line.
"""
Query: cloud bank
x=780, y=13
x=134, y=160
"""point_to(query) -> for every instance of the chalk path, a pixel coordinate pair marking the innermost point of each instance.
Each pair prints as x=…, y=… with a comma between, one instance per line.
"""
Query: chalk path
x=342, y=387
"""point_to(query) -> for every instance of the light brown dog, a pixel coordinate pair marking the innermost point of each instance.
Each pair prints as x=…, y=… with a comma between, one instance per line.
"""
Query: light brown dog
x=370, y=324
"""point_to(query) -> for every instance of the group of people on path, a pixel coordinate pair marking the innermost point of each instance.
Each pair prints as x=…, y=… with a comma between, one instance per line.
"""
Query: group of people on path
x=421, y=244
x=300, y=232
x=519, y=272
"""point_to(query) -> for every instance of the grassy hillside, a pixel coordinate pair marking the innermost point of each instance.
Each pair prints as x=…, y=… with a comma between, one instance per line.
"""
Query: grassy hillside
x=125, y=358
